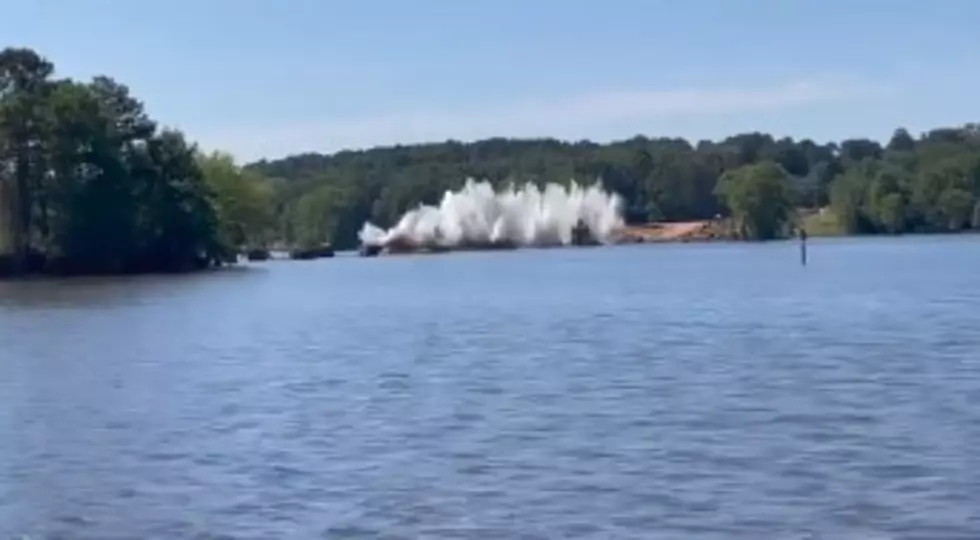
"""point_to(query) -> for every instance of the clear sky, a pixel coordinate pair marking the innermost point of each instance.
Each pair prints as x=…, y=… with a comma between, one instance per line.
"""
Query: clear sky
x=267, y=78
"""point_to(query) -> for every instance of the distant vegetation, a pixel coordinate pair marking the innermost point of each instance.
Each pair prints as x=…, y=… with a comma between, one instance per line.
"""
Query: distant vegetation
x=90, y=184
x=767, y=186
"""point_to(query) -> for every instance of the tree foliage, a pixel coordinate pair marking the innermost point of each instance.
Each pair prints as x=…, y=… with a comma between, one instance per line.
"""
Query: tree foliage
x=243, y=202
x=929, y=184
x=760, y=198
x=910, y=184
x=88, y=183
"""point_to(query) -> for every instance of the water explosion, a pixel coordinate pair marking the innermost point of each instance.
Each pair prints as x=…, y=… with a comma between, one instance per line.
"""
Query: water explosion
x=478, y=217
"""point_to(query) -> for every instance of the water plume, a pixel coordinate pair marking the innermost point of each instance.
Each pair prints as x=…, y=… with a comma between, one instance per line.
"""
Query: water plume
x=477, y=216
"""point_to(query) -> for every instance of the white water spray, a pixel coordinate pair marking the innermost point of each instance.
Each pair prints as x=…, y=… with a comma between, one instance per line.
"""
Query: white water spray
x=477, y=216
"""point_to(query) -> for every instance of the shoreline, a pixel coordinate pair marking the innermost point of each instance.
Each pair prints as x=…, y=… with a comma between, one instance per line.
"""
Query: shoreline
x=664, y=233
x=675, y=232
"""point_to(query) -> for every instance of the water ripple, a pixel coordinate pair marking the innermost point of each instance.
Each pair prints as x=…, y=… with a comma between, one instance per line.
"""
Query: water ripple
x=695, y=392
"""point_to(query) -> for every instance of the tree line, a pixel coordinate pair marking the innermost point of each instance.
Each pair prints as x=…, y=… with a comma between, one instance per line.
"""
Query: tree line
x=766, y=185
x=90, y=184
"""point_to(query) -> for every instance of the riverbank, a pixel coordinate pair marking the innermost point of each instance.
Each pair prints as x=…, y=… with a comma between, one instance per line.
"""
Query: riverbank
x=679, y=231
x=822, y=222
x=37, y=265
x=817, y=223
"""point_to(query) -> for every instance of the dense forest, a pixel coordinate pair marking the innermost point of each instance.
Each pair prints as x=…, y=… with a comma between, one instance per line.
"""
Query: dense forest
x=910, y=184
x=90, y=184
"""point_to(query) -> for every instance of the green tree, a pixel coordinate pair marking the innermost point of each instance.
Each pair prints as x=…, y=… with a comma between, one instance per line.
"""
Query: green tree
x=760, y=198
x=24, y=85
x=89, y=184
x=847, y=196
x=955, y=206
x=891, y=212
x=243, y=200
x=6, y=225
x=886, y=202
x=317, y=216
x=901, y=141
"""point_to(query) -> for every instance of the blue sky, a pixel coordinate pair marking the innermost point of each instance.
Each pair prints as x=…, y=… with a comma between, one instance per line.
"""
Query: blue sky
x=266, y=78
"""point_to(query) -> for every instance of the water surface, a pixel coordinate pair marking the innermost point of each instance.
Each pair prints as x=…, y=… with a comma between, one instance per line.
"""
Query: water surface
x=681, y=391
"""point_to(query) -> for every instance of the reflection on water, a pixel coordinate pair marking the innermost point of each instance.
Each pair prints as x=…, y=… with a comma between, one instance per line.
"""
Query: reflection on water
x=716, y=391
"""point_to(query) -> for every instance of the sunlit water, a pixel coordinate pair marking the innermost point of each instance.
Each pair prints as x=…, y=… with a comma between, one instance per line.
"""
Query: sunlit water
x=685, y=391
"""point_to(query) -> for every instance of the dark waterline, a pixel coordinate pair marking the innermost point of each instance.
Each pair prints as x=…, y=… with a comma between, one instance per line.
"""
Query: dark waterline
x=670, y=391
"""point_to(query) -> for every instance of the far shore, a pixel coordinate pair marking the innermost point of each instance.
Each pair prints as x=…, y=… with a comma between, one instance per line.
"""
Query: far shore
x=679, y=231
x=818, y=224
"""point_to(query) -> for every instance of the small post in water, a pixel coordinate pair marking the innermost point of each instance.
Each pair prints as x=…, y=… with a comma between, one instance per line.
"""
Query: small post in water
x=802, y=246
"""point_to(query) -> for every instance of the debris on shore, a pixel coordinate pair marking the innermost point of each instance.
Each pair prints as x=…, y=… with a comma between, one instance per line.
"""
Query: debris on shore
x=310, y=253
x=679, y=231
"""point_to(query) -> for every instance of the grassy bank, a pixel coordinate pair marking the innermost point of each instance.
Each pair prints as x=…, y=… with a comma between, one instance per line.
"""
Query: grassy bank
x=823, y=223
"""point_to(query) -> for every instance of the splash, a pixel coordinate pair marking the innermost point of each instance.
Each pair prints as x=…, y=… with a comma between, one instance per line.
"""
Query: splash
x=476, y=216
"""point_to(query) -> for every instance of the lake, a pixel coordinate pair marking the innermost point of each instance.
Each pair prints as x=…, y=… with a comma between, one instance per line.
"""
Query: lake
x=683, y=391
